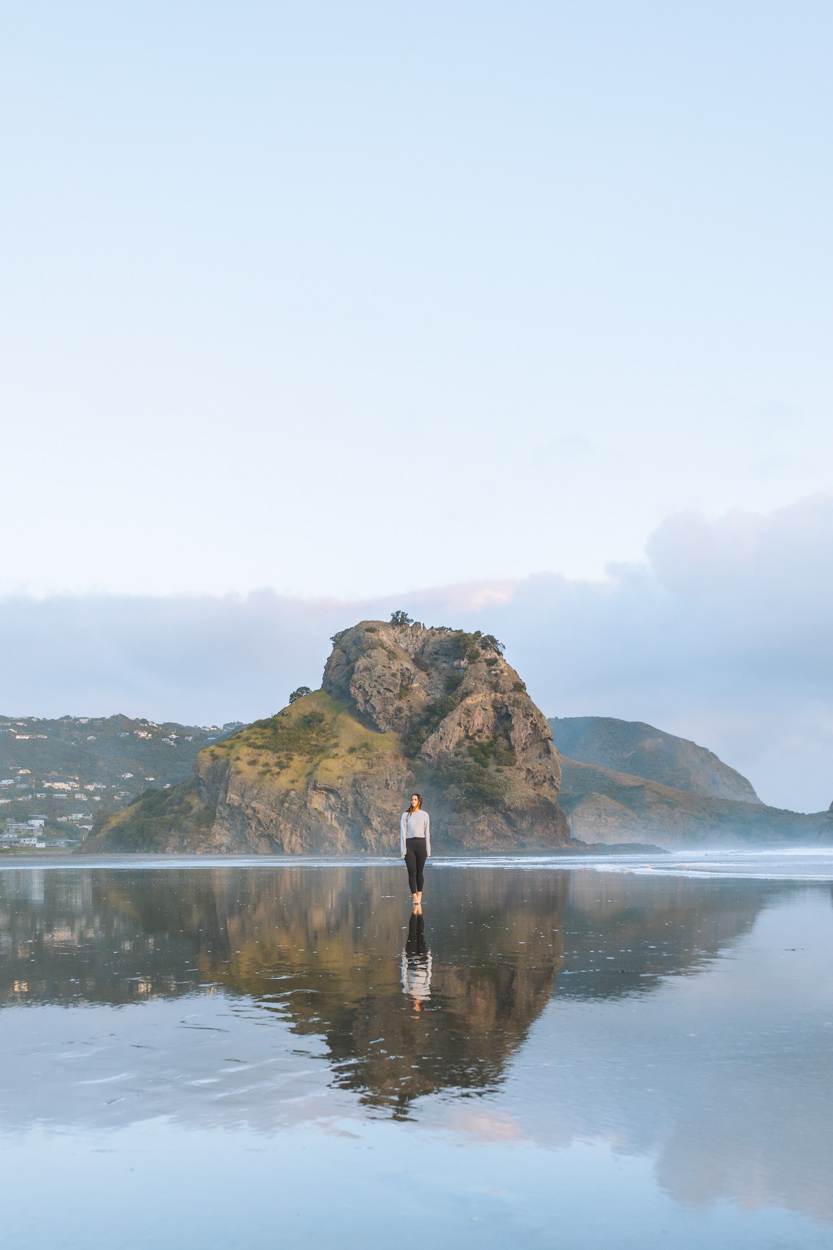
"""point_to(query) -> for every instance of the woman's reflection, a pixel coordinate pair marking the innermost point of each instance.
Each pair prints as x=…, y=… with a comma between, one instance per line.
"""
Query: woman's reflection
x=416, y=962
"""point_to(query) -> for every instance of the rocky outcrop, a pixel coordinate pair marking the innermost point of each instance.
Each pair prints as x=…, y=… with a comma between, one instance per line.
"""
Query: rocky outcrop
x=640, y=750
x=401, y=707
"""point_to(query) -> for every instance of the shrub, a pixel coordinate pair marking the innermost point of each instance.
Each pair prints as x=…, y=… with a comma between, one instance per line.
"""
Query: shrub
x=155, y=813
x=299, y=693
x=423, y=726
x=469, y=784
x=290, y=735
x=492, y=751
x=461, y=642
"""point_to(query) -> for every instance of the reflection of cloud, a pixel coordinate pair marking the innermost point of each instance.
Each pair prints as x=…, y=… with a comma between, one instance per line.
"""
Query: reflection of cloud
x=486, y=1126
x=721, y=635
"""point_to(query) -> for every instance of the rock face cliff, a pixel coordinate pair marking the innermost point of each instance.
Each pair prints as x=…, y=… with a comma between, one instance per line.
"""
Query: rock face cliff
x=640, y=750
x=401, y=707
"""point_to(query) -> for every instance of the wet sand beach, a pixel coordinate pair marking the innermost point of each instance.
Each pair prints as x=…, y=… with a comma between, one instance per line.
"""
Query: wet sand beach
x=629, y=1053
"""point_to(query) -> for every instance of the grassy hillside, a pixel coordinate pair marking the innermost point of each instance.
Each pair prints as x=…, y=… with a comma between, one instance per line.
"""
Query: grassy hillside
x=607, y=806
x=641, y=750
x=74, y=770
x=315, y=739
x=314, y=743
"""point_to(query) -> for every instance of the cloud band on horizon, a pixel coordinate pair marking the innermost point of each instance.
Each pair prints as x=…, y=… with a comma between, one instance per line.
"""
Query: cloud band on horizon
x=723, y=634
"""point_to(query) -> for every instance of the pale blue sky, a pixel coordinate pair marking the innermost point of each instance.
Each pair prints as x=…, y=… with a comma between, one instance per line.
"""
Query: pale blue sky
x=351, y=298
x=337, y=303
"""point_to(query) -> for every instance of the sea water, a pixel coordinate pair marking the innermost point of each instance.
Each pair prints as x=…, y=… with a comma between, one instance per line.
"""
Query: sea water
x=260, y=1053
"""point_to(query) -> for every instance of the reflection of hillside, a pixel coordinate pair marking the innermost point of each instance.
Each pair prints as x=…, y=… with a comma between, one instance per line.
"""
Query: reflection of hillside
x=648, y=933
x=103, y=937
x=321, y=949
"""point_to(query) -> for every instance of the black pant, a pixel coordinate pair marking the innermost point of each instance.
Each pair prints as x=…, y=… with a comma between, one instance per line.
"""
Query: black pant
x=416, y=854
x=416, y=944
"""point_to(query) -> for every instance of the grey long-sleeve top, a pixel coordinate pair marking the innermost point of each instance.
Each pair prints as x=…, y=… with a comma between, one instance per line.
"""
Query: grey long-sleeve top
x=416, y=975
x=415, y=825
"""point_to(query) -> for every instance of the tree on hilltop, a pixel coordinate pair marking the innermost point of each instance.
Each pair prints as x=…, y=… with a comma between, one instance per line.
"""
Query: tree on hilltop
x=400, y=618
x=299, y=693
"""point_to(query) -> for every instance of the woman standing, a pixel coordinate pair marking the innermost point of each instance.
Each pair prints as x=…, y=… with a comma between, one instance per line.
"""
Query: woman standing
x=415, y=844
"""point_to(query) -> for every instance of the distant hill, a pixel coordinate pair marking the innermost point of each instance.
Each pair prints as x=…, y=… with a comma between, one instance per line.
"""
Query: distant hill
x=608, y=806
x=74, y=769
x=401, y=707
x=625, y=781
x=642, y=751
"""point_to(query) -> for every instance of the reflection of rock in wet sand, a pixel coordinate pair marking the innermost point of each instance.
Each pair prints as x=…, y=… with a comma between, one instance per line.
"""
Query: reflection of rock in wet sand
x=339, y=943
x=323, y=950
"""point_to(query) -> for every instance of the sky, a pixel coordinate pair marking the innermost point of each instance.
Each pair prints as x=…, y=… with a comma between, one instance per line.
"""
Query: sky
x=520, y=313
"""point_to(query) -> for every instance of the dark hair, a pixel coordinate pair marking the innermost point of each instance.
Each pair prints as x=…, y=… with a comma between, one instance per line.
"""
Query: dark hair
x=419, y=796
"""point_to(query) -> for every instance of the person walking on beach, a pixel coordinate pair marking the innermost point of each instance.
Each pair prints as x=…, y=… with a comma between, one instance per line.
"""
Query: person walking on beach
x=415, y=844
